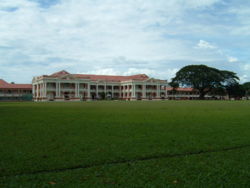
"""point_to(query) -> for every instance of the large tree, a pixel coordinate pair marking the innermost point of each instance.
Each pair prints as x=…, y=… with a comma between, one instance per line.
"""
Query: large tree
x=246, y=86
x=203, y=78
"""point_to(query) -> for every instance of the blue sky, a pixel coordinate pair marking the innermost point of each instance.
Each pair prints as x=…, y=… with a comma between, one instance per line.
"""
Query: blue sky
x=122, y=37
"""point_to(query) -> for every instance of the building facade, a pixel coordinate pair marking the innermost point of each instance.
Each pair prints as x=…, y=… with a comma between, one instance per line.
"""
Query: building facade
x=15, y=92
x=63, y=86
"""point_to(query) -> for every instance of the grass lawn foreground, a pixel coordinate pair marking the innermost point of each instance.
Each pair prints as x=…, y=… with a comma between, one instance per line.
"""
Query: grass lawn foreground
x=125, y=144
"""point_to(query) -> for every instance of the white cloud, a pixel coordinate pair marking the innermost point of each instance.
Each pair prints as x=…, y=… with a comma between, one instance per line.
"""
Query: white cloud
x=200, y=3
x=246, y=67
x=232, y=59
x=108, y=36
x=244, y=78
x=205, y=45
x=202, y=44
x=104, y=28
x=242, y=13
x=162, y=74
x=107, y=71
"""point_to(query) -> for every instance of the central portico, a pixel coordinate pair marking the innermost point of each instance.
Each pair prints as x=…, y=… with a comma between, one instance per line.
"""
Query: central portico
x=63, y=86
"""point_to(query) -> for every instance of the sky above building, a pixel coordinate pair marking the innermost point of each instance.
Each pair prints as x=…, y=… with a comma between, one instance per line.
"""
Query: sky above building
x=118, y=37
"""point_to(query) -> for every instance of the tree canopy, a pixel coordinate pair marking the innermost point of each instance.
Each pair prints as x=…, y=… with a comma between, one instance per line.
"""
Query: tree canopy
x=204, y=78
x=235, y=90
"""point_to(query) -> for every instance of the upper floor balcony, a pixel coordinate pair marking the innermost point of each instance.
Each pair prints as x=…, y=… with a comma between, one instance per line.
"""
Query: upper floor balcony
x=67, y=89
x=51, y=88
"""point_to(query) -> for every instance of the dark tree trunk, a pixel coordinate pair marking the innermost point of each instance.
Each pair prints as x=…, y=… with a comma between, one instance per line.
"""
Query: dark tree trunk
x=202, y=95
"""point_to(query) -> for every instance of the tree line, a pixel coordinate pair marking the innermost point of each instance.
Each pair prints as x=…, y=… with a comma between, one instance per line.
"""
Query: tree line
x=210, y=80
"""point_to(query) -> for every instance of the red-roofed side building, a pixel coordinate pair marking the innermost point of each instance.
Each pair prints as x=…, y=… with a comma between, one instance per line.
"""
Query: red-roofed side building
x=182, y=93
x=62, y=85
x=15, y=92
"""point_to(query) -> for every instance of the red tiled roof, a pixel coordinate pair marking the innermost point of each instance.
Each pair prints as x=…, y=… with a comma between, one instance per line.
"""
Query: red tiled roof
x=102, y=77
x=180, y=89
x=60, y=73
x=6, y=85
x=112, y=78
x=3, y=82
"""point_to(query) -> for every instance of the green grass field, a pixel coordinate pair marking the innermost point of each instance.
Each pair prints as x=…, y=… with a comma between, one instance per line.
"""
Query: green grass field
x=125, y=144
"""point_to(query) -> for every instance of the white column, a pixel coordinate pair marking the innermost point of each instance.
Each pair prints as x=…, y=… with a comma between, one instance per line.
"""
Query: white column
x=105, y=89
x=128, y=91
x=144, y=91
x=120, y=91
x=41, y=91
x=158, y=94
x=78, y=89
x=112, y=91
x=45, y=89
x=33, y=90
x=133, y=90
x=166, y=92
x=59, y=89
x=37, y=90
x=88, y=91
x=76, y=95
x=97, y=95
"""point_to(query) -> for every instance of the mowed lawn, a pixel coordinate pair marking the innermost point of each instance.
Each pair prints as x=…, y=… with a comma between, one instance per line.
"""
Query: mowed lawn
x=125, y=144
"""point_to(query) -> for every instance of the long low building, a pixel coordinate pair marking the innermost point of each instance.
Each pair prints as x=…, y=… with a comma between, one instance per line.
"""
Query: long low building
x=190, y=94
x=63, y=86
x=182, y=93
x=15, y=92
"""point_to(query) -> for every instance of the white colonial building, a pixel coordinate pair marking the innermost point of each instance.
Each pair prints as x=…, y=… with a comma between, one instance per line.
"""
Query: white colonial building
x=62, y=86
